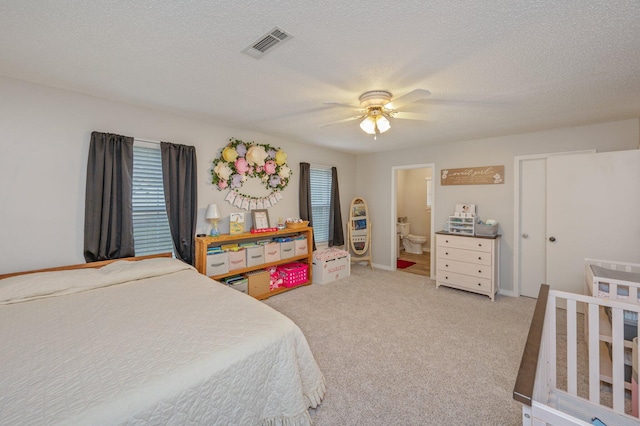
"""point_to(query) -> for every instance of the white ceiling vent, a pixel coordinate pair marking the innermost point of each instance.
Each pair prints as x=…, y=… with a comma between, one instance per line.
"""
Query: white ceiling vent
x=267, y=42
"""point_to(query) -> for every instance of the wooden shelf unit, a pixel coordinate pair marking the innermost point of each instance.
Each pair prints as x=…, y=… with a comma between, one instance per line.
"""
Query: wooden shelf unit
x=202, y=243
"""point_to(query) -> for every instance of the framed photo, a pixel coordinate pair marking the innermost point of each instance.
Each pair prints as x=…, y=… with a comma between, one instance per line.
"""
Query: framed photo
x=260, y=219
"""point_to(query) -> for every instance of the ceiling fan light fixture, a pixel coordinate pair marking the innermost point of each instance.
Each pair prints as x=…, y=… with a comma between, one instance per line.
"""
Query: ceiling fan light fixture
x=368, y=125
x=375, y=122
x=383, y=124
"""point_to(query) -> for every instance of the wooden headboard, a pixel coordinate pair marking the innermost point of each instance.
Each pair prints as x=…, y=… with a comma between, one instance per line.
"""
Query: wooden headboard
x=98, y=264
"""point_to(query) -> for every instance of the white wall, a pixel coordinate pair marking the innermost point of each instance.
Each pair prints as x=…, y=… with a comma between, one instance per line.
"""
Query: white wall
x=44, y=143
x=492, y=201
x=412, y=196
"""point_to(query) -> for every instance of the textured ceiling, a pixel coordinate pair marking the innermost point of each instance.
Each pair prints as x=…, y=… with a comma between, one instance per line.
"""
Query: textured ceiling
x=493, y=67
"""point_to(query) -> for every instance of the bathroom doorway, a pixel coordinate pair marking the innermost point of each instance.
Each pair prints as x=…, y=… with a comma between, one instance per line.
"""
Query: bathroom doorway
x=412, y=205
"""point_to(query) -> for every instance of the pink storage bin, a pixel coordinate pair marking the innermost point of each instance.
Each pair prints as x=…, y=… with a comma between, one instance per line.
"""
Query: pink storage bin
x=294, y=274
x=237, y=260
x=271, y=252
x=300, y=247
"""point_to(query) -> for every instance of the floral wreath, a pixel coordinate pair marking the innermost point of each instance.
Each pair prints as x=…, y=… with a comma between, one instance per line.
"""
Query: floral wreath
x=240, y=160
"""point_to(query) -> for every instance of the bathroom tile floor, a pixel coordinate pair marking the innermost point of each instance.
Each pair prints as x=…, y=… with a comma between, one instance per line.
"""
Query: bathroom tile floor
x=422, y=266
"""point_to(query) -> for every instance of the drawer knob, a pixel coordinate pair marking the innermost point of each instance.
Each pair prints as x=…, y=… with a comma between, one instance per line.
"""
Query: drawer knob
x=446, y=241
x=479, y=284
x=479, y=271
x=480, y=245
x=446, y=278
x=446, y=266
x=479, y=257
x=447, y=253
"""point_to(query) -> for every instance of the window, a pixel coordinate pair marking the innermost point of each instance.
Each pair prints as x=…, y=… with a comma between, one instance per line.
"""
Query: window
x=151, y=231
x=320, y=201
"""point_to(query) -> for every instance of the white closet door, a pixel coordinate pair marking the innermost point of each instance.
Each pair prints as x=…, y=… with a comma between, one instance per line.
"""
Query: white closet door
x=533, y=218
x=593, y=210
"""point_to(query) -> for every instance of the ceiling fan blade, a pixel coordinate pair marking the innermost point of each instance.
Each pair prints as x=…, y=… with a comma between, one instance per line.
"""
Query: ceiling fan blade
x=413, y=96
x=411, y=116
x=344, y=120
x=338, y=104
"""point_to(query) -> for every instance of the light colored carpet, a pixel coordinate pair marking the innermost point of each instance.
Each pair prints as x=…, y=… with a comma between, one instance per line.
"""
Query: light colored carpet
x=396, y=350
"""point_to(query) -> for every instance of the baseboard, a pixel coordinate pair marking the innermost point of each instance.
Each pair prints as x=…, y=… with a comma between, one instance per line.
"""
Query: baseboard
x=509, y=293
x=383, y=267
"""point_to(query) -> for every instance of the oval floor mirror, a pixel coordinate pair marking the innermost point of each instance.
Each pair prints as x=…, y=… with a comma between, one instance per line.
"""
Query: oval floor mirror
x=359, y=231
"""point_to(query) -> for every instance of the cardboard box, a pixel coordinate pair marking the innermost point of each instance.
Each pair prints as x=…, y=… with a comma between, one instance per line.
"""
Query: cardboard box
x=326, y=271
x=258, y=282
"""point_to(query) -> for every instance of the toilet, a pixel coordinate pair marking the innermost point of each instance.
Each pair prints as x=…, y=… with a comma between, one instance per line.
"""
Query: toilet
x=411, y=243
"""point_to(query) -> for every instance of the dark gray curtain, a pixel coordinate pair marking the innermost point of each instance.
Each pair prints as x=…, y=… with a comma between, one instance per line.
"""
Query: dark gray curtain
x=180, y=194
x=304, y=198
x=108, y=216
x=336, y=236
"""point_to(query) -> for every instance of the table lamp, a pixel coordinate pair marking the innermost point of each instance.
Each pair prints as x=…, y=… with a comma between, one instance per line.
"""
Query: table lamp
x=213, y=214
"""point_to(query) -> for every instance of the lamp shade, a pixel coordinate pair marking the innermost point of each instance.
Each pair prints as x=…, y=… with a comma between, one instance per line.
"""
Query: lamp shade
x=212, y=212
x=383, y=123
x=368, y=125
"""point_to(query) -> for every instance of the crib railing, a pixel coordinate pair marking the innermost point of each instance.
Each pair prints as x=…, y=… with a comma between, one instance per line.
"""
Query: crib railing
x=537, y=378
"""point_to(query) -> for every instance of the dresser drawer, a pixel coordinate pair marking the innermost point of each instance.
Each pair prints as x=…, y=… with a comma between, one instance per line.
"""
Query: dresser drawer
x=469, y=243
x=470, y=256
x=464, y=281
x=475, y=270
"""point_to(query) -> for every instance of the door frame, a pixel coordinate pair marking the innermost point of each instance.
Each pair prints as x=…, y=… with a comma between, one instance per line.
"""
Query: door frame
x=394, y=212
x=517, y=226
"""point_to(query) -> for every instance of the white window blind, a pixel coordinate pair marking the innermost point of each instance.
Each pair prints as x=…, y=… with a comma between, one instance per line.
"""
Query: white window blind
x=320, y=202
x=150, y=224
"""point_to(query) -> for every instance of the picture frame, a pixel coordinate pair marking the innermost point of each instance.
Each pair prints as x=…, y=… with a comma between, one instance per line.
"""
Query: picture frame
x=260, y=218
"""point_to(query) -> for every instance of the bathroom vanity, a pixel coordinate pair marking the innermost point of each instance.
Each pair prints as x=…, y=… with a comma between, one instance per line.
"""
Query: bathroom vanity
x=468, y=263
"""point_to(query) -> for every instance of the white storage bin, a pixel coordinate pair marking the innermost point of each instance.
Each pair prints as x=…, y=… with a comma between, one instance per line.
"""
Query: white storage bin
x=217, y=264
x=255, y=255
x=287, y=250
x=300, y=247
x=326, y=271
x=271, y=252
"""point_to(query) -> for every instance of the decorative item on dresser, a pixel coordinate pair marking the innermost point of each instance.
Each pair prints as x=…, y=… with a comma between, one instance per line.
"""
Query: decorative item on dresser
x=468, y=263
x=294, y=253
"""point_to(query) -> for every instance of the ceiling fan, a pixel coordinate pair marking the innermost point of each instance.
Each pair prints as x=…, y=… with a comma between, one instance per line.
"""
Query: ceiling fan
x=377, y=107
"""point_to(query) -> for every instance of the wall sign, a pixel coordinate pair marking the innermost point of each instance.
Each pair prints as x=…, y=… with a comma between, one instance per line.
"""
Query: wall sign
x=488, y=175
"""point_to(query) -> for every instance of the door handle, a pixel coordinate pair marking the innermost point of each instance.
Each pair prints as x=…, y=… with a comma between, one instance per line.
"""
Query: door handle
x=552, y=239
x=525, y=235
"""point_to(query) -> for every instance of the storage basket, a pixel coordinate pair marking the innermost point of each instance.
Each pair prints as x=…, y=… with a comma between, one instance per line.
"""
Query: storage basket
x=294, y=274
x=297, y=225
x=483, y=230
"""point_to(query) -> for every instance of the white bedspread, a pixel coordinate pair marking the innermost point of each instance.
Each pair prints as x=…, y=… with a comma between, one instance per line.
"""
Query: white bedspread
x=173, y=349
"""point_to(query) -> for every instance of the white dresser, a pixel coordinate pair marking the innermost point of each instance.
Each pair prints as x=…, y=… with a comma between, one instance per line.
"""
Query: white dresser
x=468, y=263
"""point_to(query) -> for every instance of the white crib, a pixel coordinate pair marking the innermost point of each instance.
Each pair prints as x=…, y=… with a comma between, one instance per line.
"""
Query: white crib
x=612, y=280
x=567, y=390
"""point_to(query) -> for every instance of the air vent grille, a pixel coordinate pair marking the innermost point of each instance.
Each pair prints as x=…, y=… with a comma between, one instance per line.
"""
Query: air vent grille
x=267, y=42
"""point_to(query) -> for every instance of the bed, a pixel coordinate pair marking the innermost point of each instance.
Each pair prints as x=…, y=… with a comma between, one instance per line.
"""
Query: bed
x=148, y=342
x=559, y=380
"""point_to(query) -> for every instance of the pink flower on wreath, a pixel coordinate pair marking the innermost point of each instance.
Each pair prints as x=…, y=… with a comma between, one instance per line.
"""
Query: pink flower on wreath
x=242, y=166
x=258, y=169
x=222, y=184
x=270, y=167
